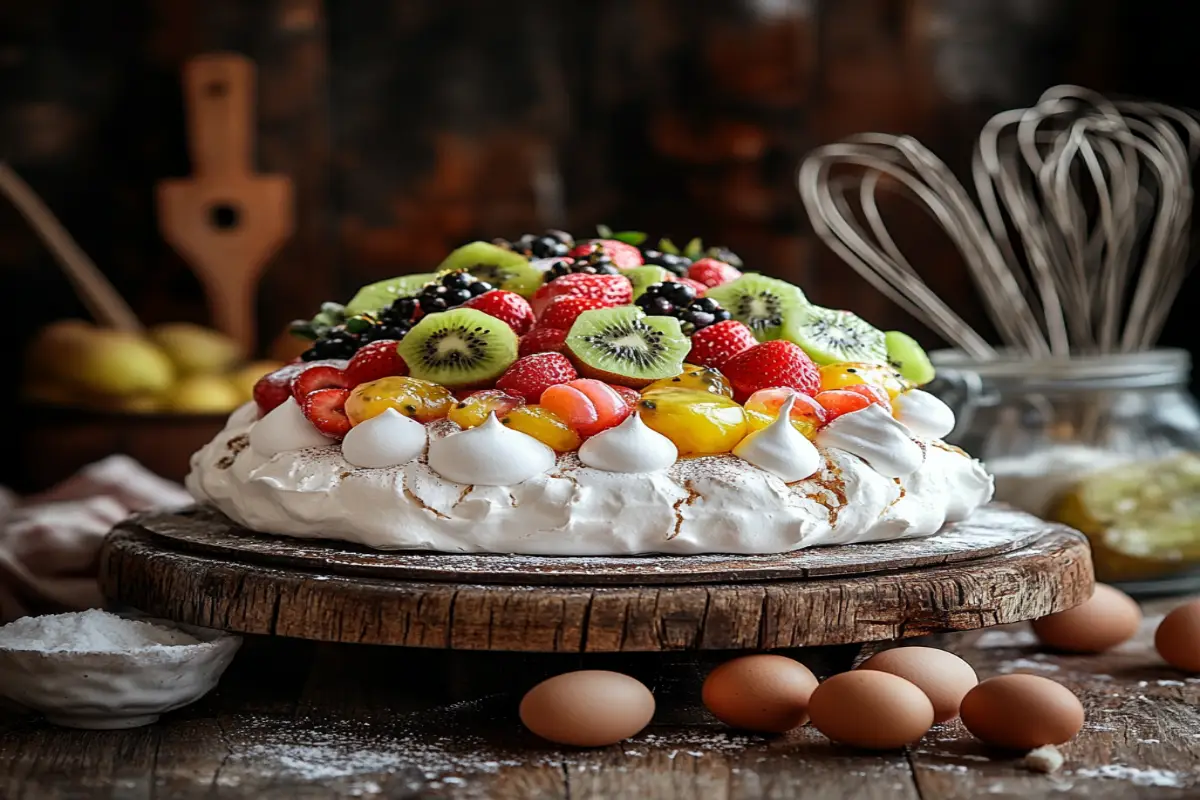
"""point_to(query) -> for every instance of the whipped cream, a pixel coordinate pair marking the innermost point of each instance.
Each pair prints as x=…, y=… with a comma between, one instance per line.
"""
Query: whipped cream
x=707, y=504
x=386, y=440
x=780, y=449
x=924, y=414
x=876, y=437
x=284, y=429
x=629, y=447
x=490, y=455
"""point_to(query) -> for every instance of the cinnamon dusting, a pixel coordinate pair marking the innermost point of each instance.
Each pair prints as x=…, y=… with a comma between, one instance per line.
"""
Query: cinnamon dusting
x=238, y=443
x=678, y=505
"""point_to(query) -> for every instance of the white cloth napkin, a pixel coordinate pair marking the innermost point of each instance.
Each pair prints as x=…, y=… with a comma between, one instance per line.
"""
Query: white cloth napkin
x=49, y=543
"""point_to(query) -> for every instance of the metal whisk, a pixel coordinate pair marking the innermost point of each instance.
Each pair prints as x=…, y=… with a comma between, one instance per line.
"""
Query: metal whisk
x=1080, y=236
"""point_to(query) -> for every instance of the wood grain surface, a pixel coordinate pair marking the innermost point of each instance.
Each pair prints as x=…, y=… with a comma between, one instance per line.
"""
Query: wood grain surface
x=294, y=719
x=144, y=570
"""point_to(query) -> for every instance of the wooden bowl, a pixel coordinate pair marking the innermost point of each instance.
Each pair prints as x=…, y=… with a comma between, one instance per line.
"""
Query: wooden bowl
x=55, y=442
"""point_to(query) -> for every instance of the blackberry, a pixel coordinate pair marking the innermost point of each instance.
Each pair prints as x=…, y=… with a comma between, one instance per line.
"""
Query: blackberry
x=338, y=343
x=668, y=261
x=452, y=290
x=551, y=244
x=679, y=300
x=595, y=263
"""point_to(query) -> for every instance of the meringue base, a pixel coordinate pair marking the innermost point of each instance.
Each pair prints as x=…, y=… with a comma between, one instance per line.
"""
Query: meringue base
x=707, y=504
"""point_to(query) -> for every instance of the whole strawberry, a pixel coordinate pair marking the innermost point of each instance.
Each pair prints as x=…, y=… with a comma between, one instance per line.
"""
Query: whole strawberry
x=771, y=364
x=375, y=360
x=508, y=307
x=528, y=377
x=712, y=273
x=613, y=290
x=716, y=344
x=625, y=256
x=542, y=340
x=562, y=311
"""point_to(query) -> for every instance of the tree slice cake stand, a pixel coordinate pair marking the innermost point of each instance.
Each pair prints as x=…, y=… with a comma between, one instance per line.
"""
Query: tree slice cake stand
x=195, y=566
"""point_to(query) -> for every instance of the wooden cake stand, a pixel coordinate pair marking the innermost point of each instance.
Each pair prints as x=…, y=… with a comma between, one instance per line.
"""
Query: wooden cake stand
x=195, y=566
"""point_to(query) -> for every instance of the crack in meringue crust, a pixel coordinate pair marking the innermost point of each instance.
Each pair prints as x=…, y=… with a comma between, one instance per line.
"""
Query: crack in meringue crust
x=708, y=504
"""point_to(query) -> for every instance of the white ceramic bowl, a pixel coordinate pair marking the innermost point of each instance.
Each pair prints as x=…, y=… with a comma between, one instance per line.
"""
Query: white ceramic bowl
x=105, y=691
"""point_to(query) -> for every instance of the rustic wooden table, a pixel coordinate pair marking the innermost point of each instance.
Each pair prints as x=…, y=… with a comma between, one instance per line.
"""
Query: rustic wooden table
x=295, y=719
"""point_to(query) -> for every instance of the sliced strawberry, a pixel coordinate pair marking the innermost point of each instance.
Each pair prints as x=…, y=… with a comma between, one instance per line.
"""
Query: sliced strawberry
x=273, y=388
x=711, y=272
x=326, y=410
x=316, y=378
x=530, y=376
x=508, y=307
x=542, y=340
x=716, y=344
x=376, y=360
x=563, y=311
x=625, y=256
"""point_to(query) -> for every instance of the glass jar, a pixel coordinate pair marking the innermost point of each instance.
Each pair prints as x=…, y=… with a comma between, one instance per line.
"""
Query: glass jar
x=1109, y=445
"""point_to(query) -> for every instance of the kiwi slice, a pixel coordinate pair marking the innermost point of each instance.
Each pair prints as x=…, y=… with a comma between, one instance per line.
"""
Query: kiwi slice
x=624, y=346
x=503, y=269
x=458, y=348
x=375, y=296
x=641, y=277
x=830, y=336
x=762, y=303
x=907, y=357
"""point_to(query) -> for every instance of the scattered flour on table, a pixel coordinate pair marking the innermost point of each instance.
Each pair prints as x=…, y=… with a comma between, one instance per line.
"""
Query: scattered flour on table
x=92, y=631
x=1138, y=777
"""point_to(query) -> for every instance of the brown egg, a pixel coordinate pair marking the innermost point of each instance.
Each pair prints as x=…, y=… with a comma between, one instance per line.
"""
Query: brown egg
x=763, y=692
x=871, y=709
x=1178, y=637
x=943, y=677
x=1021, y=712
x=1104, y=621
x=587, y=708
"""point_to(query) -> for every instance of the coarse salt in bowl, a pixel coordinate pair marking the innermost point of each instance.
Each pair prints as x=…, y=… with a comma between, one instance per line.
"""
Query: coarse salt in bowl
x=92, y=669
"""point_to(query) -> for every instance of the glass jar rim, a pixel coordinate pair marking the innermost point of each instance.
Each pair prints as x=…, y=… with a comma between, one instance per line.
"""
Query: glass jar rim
x=1011, y=369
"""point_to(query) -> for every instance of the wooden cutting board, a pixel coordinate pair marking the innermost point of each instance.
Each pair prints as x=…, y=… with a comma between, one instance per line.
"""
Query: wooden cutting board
x=226, y=220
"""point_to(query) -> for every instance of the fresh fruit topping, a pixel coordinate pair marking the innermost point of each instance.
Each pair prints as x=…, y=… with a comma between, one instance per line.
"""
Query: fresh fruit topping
x=699, y=423
x=807, y=414
x=711, y=272
x=643, y=277
x=845, y=374
x=326, y=410
x=375, y=360
x=451, y=290
x=841, y=401
x=547, y=245
x=273, y=388
x=589, y=406
x=422, y=400
x=700, y=289
x=622, y=345
x=508, y=307
x=316, y=377
x=334, y=343
x=829, y=336
x=462, y=347
x=376, y=296
x=678, y=299
x=530, y=376
x=704, y=379
x=543, y=425
x=672, y=262
x=763, y=304
x=716, y=344
x=873, y=393
x=908, y=358
x=625, y=256
x=473, y=410
x=612, y=290
x=542, y=340
x=501, y=268
x=631, y=396
x=771, y=364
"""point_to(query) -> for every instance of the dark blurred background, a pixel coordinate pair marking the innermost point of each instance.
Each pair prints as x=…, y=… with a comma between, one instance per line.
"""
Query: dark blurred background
x=411, y=126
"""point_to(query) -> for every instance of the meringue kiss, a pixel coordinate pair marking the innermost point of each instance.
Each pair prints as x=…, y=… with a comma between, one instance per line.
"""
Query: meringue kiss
x=386, y=440
x=285, y=428
x=490, y=455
